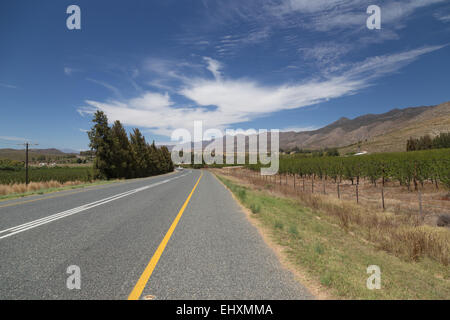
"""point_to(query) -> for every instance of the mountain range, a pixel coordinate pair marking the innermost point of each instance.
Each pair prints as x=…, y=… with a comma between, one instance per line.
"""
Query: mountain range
x=376, y=132
x=386, y=132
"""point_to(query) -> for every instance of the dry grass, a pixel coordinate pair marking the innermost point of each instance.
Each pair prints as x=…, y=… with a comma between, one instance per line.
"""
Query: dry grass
x=399, y=233
x=435, y=201
x=317, y=245
x=19, y=188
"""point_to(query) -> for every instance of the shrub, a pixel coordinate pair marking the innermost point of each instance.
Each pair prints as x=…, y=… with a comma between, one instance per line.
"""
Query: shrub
x=278, y=224
x=255, y=208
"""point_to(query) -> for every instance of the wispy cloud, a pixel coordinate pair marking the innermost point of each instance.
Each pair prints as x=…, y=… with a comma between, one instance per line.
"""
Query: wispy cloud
x=300, y=25
x=445, y=18
x=231, y=44
x=6, y=85
x=326, y=52
x=214, y=66
x=325, y=15
x=299, y=129
x=68, y=71
x=8, y=138
x=112, y=88
x=221, y=102
x=378, y=66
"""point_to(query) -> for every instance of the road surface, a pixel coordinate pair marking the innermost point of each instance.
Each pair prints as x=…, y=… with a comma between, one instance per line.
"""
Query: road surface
x=177, y=236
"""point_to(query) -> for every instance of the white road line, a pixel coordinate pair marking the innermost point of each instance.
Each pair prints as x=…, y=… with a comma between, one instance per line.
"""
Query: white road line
x=39, y=222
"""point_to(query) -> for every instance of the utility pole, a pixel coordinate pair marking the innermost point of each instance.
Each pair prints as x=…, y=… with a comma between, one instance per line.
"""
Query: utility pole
x=26, y=164
x=27, y=144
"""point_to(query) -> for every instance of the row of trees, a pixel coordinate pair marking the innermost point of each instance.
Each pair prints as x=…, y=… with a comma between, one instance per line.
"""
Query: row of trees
x=407, y=168
x=11, y=165
x=427, y=143
x=116, y=156
x=330, y=152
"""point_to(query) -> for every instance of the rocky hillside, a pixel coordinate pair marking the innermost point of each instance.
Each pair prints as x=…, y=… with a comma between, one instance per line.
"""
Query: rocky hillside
x=377, y=132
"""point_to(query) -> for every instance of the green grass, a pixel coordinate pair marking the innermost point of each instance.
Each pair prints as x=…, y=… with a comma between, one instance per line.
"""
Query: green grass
x=255, y=208
x=338, y=260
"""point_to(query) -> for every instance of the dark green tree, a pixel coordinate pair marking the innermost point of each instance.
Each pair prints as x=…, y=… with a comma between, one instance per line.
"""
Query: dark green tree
x=101, y=143
x=167, y=158
x=140, y=153
x=116, y=156
x=122, y=160
x=154, y=161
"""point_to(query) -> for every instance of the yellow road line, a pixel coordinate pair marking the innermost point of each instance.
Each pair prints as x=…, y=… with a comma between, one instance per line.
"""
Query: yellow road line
x=140, y=285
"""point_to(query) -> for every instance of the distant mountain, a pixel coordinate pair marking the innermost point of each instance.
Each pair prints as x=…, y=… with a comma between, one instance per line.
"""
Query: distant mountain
x=393, y=133
x=51, y=151
x=377, y=133
x=384, y=132
x=71, y=151
x=19, y=154
x=366, y=128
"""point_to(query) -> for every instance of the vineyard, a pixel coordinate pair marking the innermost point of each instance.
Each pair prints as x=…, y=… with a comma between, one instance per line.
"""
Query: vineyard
x=410, y=169
x=60, y=174
x=412, y=182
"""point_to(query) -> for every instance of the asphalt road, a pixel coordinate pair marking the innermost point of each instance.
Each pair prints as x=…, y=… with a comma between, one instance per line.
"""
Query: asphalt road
x=177, y=236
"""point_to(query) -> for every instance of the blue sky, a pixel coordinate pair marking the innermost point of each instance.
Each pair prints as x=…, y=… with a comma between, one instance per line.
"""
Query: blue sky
x=160, y=65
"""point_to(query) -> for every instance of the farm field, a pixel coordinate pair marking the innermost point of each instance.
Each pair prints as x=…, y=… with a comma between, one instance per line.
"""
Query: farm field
x=409, y=169
x=413, y=182
x=430, y=203
x=59, y=174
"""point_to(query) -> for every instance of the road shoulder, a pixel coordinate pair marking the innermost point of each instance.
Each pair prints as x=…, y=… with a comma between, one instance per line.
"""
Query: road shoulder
x=315, y=288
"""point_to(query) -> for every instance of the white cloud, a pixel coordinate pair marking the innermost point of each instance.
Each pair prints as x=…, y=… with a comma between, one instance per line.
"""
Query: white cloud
x=6, y=85
x=230, y=44
x=307, y=6
x=442, y=17
x=152, y=101
x=298, y=129
x=231, y=101
x=214, y=67
x=68, y=71
x=325, y=15
x=107, y=86
x=240, y=99
x=381, y=65
x=325, y=53
x=8, y=138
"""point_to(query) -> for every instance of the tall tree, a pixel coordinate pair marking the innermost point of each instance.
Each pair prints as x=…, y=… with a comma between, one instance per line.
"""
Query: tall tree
x=118, y=157
x=167, y=159
x=101, y=143
x=140, y=153
x=122, y=160
x=154, y=159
